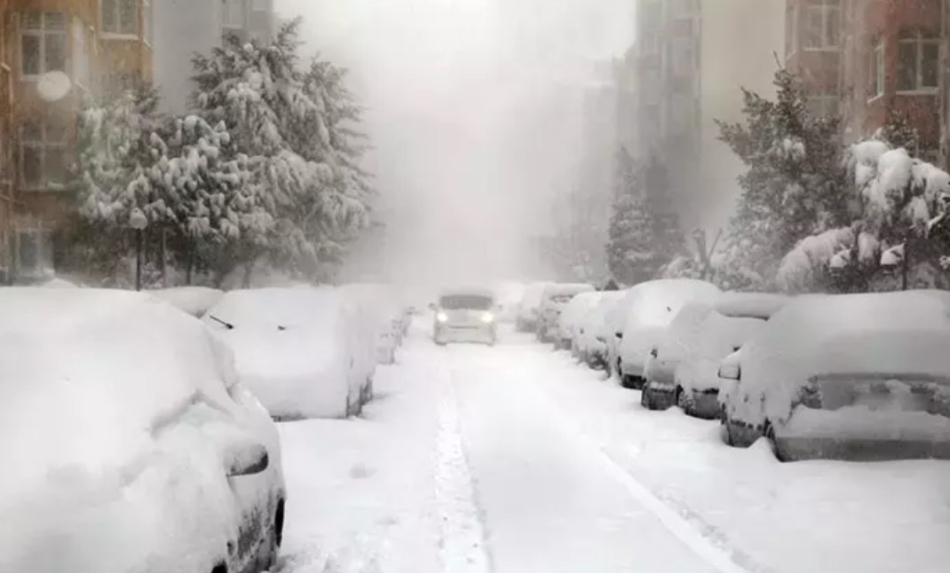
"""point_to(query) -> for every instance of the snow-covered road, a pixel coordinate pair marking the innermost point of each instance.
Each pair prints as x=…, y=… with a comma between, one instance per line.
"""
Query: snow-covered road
x=513, y=459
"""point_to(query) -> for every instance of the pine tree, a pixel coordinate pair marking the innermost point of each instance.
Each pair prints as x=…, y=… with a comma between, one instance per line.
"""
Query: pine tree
x=793, y=186
x=632, y=255
x=292, y=128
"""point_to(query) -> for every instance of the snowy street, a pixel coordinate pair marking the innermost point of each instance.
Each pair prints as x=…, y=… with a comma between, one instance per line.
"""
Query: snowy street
x=514, y=459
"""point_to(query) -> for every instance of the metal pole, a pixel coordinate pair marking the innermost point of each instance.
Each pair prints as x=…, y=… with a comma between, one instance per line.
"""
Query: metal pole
x=139, y=240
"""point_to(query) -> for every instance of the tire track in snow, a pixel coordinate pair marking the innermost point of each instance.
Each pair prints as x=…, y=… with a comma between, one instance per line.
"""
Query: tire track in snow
x=462, y=538
x=722, y=558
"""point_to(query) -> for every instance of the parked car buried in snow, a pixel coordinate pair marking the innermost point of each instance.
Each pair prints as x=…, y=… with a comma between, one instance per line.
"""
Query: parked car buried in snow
x=864, y=377
x=132, y=444
x=530, y=307
x=465, y=315
x=303, y=351
x=683, y=368
x=570, y=323
x=554, y=300
x=594, y=332
x=649, y=308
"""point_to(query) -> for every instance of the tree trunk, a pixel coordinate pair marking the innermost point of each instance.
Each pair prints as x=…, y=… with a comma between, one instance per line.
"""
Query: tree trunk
x=905, y=263
x=163, y=249
x=248, y=274
x=189, y=264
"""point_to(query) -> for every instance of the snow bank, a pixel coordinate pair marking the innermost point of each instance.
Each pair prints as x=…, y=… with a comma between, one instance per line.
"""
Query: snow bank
x=292, y=348
x=93, y=472
x=900, y=334
x=649, y=308
x=193, y=300
x=59, y=283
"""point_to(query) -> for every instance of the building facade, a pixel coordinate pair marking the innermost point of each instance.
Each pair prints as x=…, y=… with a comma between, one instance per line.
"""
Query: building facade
x=689, y=60
x=78, y=47
x=187, y=27
x=873, y=61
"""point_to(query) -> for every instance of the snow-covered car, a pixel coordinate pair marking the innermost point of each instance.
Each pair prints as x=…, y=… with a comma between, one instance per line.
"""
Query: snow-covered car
x=649, y=308
x=683, y=368
x=301, y=350
x=594, y=333
x=193, y=300
x=569, y=326
x=508, y=297
x=465, y=315
x=130, y=442
x=530, y=307
x=554, y=300
x=863, y=376
x=385, y=317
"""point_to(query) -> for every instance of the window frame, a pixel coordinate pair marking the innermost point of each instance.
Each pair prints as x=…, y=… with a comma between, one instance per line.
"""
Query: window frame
x=825, y=8
x=118, y=32
x=918, y=41
x=877, y=85
x=42, y=146
x=42, y=34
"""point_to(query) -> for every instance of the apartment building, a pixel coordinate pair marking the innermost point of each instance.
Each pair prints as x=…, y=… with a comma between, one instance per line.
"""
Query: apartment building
x=96, y=44
x=187, y=27
x=690, y=59
x=870, y=61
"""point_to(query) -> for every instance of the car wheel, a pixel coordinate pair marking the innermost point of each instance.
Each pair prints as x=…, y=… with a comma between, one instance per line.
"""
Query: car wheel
x=220, y=568
x=645, y=400
x=776, y=449
x=682, y=400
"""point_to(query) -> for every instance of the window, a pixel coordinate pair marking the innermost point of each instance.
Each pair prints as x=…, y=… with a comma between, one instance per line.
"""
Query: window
x=822, y=24
x=823, y=105
x=34, y=253
x=918, y=58
x=232, y=13
x=42, y=155
x=120, y=17
x=81, y=68
x=43, y=43
x=147, y=19
x=876, y=71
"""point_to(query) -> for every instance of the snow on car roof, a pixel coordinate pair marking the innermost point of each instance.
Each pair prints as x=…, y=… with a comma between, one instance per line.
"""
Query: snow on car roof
x=277, y=306
x=750, y=304
x=655, y=303
x=193, y=300
x=110, y=364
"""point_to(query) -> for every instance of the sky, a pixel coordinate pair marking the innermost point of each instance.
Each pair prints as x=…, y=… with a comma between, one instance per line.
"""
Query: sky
x=474, y=110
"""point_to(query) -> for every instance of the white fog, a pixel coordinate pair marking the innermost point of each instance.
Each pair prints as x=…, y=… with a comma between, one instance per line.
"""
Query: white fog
x=474, y=109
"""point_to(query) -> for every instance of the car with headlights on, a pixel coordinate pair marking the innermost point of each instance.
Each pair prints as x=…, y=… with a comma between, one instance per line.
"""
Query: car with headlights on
x=465, y=315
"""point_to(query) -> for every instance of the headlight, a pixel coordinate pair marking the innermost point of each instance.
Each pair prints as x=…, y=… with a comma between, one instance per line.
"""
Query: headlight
x=488, y=318
x=442, y=317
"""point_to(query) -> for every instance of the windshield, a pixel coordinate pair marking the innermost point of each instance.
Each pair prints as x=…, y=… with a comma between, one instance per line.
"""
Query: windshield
x=466, y=302
x=474, y=286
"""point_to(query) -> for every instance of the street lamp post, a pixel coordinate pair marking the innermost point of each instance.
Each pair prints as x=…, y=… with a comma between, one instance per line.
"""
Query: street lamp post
x=138, y=221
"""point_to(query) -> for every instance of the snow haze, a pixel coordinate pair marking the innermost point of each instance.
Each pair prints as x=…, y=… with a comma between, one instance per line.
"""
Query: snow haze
x=474, y=108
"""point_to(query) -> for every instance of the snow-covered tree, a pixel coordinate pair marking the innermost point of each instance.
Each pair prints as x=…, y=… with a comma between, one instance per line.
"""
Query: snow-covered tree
x=793, y=186
x=292, y=129
x=632, y=249
x=899, y=223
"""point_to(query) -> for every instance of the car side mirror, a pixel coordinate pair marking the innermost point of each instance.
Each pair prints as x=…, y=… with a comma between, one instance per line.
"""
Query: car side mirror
x=731, y=371
x=619, y=334
x=246, y=460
